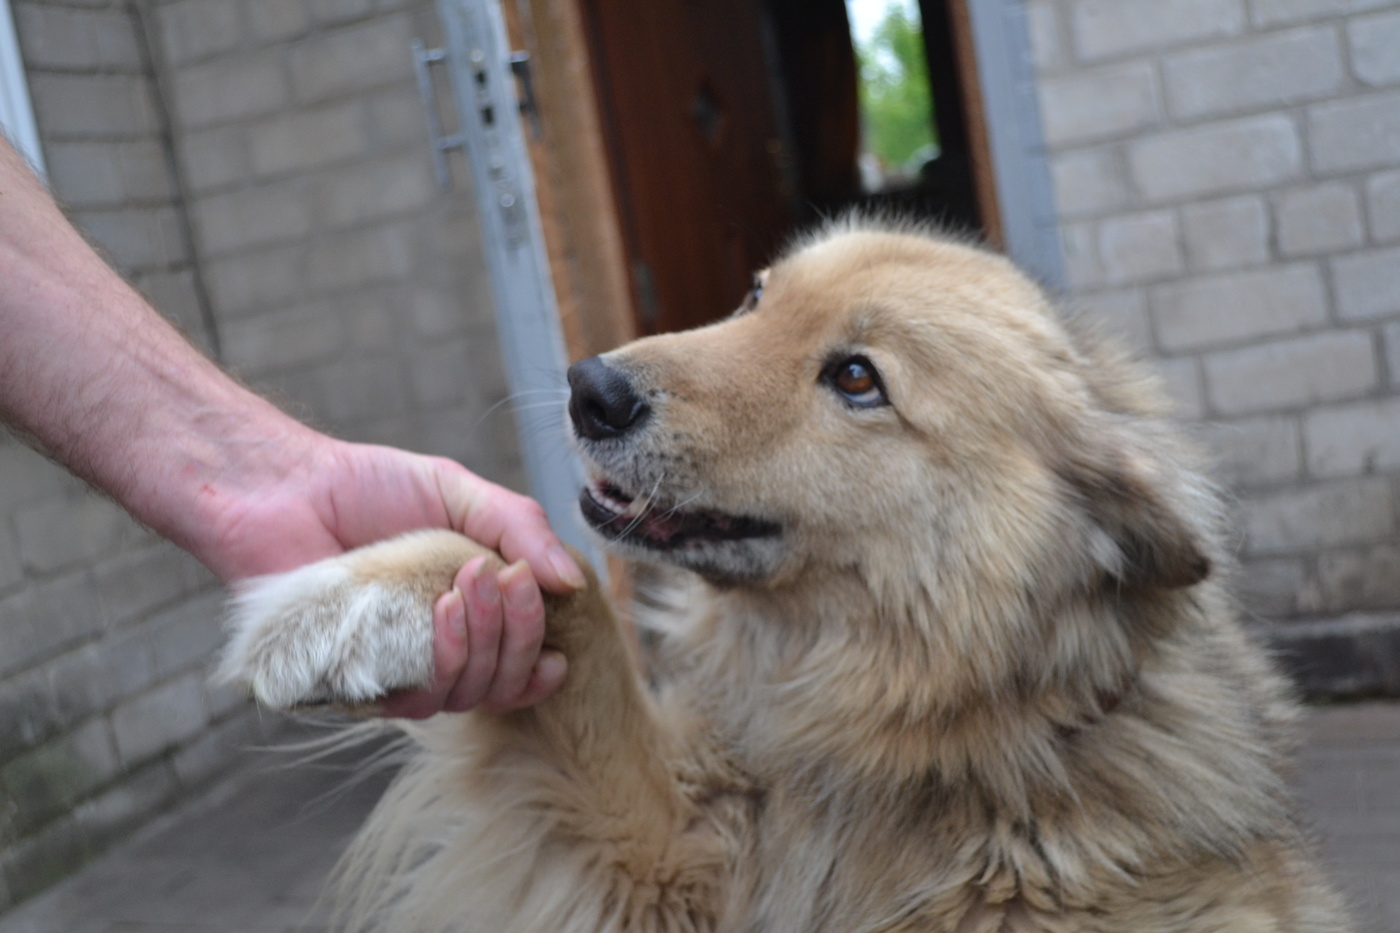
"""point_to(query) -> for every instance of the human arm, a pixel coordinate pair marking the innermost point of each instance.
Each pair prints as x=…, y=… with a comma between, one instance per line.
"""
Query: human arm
x=92, y=375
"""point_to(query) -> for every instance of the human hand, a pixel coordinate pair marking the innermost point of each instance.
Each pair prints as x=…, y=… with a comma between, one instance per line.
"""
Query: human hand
x=325, y=497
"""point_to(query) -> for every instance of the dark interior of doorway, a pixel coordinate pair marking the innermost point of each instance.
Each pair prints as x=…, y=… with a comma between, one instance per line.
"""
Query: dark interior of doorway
x=730, y=124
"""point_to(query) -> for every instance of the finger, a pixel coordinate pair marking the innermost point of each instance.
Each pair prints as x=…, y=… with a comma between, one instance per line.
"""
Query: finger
x=522, y=633
x=512, y=524
x=450, y=651
x=547, y=676
x=484, y=619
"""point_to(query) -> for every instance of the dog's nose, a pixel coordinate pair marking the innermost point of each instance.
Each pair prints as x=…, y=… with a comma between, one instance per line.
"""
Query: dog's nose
x=604, y=403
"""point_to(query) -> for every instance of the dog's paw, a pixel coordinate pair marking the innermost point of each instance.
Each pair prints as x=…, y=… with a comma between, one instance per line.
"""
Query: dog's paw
x=326, y=633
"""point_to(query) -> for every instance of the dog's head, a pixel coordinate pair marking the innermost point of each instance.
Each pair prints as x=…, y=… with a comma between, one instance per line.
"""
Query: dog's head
x=886, y=399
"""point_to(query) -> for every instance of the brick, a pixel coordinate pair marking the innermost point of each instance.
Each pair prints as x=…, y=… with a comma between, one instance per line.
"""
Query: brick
x=1331, y=514
x=1254, y=153
x=1363, y=437
x=214, y=158
x=438, y=374
x=1087, y=182
x=360, y=257
x=1318, y=219
x=1305, y=371
x=307, y=139
x=1104, y=28
x=1079, y=246
x=145, y=173
x=1235, y=306
x=274, y=20
x=372, y=318
x=28, y=715
x=45, y=618
x=93, y=678
x=1358, y=579
x=137, y=239
x=63, y=533
x=354, y=59
x=435, y=313
x=1373, y=41
x=49, y=780
x=1281, y=12
x=1255, y=452
x=167, y=716
x=390, y=187
x=1139, y=247
x=363, y=389
x=187, y=636
x=103, y=106
x=1182, y=379
x=253, y=217
x=1099, y=104
x=39, y=860
x=1367, y=284
x=335, y=12
x=175, y=295
x=1274, y=70
x=295, y=338
x=240, y=285
x=29, y=477
x=132, y=800
x=1120, y=314
x=1270, y=587
x=1390, y=334
x=85, y=175
x=210, y=755
x=230, y=89
x=396, y=121
x=60, y=37
x=11, y=570
x=139, y=581
x=195, y=29
x=1355, y=133
x=1048, y=47
x=1383, y=205
x=1227, y=234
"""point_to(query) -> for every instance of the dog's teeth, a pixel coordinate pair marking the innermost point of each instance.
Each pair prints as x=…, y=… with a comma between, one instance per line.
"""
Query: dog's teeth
x=637, y=506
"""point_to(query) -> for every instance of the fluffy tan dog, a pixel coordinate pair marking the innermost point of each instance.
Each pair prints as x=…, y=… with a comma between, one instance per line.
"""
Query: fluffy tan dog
x=955, y=653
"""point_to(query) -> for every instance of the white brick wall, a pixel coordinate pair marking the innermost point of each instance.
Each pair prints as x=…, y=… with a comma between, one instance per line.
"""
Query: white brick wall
x=1228, y=181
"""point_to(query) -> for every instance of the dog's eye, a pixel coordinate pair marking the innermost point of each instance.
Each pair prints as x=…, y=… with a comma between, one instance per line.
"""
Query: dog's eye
x=752, y=298
x=857, y=381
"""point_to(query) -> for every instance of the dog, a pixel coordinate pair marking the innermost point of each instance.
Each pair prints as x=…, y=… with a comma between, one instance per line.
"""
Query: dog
x=952, y=647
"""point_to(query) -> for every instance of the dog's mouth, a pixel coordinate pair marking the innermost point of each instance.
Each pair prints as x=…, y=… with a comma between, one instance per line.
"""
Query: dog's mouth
x=646, y=521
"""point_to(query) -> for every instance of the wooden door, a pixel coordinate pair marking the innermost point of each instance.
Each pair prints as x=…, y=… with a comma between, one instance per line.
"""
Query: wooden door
x=689, y=114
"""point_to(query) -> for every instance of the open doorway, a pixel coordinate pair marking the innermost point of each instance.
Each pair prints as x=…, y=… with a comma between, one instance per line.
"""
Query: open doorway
x=731, y=123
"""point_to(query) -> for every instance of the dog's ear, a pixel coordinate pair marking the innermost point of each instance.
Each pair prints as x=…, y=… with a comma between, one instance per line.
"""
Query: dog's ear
x=1145, y=512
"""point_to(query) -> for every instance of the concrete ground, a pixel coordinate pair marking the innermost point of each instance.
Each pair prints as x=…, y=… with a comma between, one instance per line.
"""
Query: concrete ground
x=252, y=858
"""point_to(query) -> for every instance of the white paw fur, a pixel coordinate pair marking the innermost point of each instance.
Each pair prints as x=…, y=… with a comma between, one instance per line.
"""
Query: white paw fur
x=321, y=634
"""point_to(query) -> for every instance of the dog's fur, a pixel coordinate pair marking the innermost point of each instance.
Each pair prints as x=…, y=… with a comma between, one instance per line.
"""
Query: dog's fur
x=974, y=671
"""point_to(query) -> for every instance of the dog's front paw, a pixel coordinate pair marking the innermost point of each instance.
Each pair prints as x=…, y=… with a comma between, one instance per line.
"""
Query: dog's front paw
x=327, y=634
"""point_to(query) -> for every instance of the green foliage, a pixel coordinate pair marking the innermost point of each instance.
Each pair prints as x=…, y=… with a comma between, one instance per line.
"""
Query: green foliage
x=895, y=101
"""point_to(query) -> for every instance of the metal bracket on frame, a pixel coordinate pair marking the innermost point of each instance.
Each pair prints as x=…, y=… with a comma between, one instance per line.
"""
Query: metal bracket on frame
x=423, y=60
x=442, y=143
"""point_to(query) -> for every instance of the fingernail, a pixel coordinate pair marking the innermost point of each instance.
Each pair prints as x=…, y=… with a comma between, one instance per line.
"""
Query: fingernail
x=455, y=607
x=551, y=667
x=519, y=585
x=565, y=567
x=484, y=585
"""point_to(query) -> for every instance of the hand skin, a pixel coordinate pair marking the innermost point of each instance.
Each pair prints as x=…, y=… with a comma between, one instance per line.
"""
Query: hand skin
x=94, y=377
